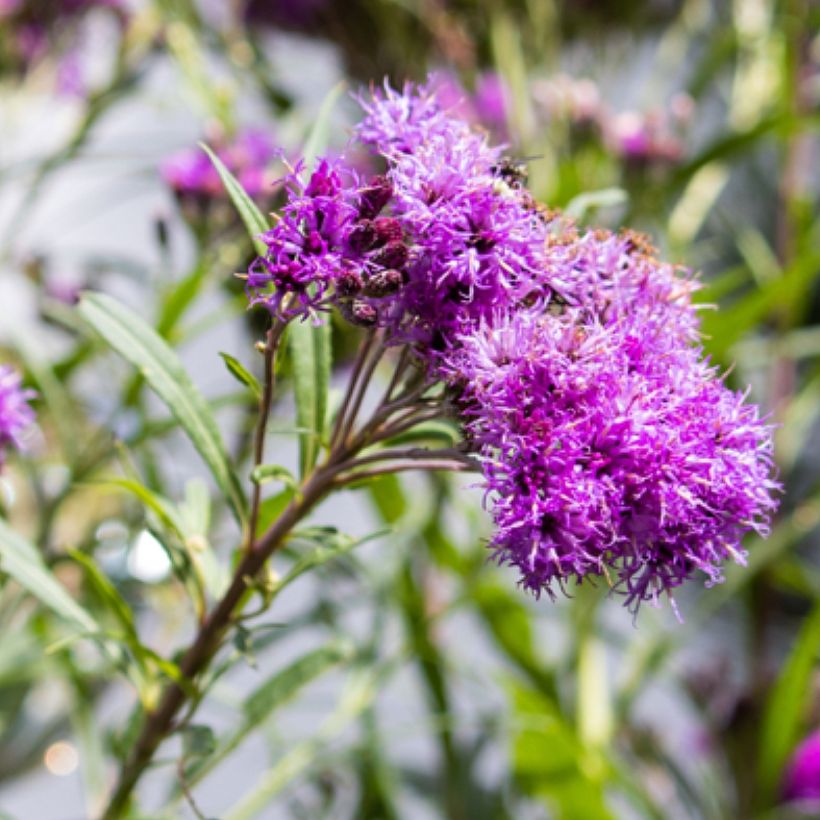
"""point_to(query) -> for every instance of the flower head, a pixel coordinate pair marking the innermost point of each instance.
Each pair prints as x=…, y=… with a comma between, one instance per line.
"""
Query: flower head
x=16, y=414
x=609, y=446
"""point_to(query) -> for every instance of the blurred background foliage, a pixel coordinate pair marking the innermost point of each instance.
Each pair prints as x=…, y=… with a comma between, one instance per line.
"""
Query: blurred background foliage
x=406, y=677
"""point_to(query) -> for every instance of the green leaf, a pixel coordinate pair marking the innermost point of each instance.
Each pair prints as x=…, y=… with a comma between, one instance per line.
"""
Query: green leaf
x=128, y=334
x=198, y=741
x=159, y=505
x=285, y=685
x=282, y=687
x=271, y=508
x=584, y=204
x=242, y=374
x=310, y=358
x=273, y=472
x=787, y=704
x=317, y=140
x=360, y=691
x=331, y=545
x=428, y=431
x=255, y=223
x=21, y=560
x=549, y=761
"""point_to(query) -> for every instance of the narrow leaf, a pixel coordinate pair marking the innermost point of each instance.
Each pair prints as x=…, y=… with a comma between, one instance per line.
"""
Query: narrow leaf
x=310, y=355
x=317, y=140
x=242, y=374
x=583, y=204
x=255, y=223
x=20, y=559
x=128, y=334
x=276, y=691
x=273, y=472
x=787, y=704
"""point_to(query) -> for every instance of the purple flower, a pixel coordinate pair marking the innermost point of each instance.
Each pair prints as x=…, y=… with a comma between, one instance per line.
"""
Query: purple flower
x=802, y=778
x=191, y=173
x=15, y=413
x=463, y=237
x=609, y=446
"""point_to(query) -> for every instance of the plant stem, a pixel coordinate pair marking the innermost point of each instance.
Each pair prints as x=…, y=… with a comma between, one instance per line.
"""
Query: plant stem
x=159, y=723
x=271, y=345
x=330, y=475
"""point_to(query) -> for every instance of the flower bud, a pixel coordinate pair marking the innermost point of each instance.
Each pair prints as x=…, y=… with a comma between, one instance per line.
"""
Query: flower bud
x=374, y=197
x=392, y=255
x=387, y=230
x=349, y=283
x=362, y=237
x=361, y=313
x=383, y=283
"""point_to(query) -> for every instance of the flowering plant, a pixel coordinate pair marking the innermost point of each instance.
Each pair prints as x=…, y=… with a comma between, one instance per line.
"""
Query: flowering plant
x=463, y=446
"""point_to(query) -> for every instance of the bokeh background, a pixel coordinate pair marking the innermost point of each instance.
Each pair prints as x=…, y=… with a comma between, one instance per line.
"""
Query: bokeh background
x=694, y=121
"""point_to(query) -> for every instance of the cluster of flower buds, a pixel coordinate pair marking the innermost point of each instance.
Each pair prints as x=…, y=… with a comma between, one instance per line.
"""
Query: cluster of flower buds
x=609, y=447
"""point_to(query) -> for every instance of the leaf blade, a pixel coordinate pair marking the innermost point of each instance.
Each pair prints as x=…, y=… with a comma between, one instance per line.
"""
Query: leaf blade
x=251, y=216
x=140, y=345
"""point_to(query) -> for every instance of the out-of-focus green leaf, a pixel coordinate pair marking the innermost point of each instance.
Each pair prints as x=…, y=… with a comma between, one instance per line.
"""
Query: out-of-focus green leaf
x=317, y=140
x=594, y=710
x=509, y=623
x=310, y=357
x=126, y=332
x=160, y=506
x=590, y=201
x=359, y=693
x=20, y=560
x=242, y=374
x=255, y=223
x=786, y=706
x=198, y=741
x=280, y=688
x=785, y=295
x=176, y=301
x=550, y=762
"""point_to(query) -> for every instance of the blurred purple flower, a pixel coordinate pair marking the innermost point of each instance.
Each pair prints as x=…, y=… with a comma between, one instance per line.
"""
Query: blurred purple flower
x=191, y=173
x=492, y=102
x=15, y=413
x=802, y=777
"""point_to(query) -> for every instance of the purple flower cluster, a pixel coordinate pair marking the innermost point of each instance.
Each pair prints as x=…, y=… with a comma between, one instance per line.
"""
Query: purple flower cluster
x=609, y=446
x=15, y=413
x=639, y=139
x=190, y=173
x=444, y=233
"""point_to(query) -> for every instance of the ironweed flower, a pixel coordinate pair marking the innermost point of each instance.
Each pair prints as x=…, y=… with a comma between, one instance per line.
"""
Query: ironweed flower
x=450, y=232
x=609, y=446
x=15, y=412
